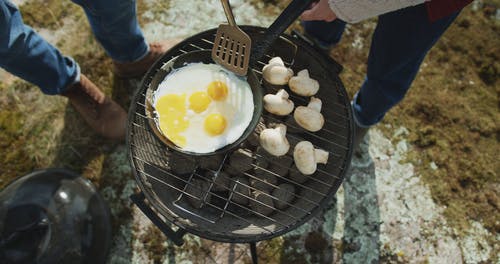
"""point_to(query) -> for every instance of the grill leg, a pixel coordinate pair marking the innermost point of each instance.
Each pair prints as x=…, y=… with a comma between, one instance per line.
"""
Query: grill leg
x=253, y=252
x=175, y=236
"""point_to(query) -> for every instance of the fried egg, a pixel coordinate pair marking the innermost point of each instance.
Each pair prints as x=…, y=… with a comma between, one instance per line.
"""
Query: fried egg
x=203, y=107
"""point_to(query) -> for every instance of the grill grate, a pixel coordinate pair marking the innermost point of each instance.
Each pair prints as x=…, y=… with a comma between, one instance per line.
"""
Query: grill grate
x=219, y=216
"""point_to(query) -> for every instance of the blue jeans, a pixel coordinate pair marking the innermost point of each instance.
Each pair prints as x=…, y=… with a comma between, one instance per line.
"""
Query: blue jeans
x=27, y=55
x=399, y=44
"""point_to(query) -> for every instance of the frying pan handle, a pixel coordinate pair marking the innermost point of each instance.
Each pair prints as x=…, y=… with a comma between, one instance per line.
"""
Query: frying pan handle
x=176, y=237
x=229, y=13
x=284, y=20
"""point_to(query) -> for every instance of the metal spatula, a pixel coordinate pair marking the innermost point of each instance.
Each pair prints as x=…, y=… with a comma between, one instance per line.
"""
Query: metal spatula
x=231, y=46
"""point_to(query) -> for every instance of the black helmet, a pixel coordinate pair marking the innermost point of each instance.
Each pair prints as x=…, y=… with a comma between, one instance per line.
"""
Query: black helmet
x=53, y=216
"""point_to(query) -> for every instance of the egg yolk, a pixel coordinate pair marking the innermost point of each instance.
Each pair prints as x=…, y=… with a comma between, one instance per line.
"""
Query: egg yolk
x=199, y=101
x=171, y=110
x=215, y=124
x=217, y=90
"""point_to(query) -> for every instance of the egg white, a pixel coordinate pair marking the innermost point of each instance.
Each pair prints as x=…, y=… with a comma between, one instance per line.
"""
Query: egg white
x=237, y=108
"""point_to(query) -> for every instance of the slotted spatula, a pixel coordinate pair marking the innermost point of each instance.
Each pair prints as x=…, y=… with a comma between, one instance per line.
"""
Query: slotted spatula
x=231, y=46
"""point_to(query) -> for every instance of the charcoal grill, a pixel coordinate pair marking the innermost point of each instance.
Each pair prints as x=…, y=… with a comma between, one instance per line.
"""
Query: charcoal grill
x=163, y=193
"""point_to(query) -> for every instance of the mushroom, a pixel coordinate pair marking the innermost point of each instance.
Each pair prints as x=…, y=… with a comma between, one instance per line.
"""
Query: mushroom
x=278, y=103
x=275, y=72
x=310, y=117
x=274, y=141
x=303, y=85
x=306, y=157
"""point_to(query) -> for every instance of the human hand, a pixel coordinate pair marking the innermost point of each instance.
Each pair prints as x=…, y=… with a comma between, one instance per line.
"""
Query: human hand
x=319, y=11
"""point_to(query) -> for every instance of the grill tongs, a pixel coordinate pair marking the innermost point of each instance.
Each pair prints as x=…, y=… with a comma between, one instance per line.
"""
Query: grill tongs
x=233, y=48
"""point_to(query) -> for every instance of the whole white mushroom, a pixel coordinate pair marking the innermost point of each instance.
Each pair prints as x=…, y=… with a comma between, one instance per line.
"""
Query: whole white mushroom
x=303, y=85
x=275, y=72
x=310, y=117
x=274, y=141
x=278, y=103
x=306, y=157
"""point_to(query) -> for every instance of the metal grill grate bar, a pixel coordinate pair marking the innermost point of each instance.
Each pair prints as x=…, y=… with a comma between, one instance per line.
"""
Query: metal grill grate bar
x=274, y=198
x=183, y=192
x=192, y=196
x=254, y=177
x=238, y=193
x=214, y=206
x=249, y=198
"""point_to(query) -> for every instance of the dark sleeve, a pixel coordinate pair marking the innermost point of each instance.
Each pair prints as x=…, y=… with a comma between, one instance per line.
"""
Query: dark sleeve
x=437, y=9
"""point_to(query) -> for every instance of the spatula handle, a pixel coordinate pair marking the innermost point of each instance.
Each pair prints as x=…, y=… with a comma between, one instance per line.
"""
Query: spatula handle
x=284, y=20
x=229, y=12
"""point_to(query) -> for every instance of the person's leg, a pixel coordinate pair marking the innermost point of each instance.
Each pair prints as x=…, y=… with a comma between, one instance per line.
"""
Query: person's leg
x=399, y=44
x=325, y=34
x=27, y=55
x=114, y=24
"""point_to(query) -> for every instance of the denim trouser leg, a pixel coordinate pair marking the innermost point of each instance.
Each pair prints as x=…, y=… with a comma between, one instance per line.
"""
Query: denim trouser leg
x=326, y=33
x=114, y=23
x=399, y=45
x=27, y=55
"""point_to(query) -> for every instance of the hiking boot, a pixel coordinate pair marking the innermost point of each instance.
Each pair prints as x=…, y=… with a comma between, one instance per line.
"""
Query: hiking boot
x=100, y=112
x=139, y=68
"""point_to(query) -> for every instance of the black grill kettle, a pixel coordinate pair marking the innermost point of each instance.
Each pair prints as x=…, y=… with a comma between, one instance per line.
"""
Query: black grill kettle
x=53, y=216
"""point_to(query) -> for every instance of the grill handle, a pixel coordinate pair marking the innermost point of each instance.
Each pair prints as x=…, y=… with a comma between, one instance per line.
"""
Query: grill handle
x=284, y=20
x=176, y=237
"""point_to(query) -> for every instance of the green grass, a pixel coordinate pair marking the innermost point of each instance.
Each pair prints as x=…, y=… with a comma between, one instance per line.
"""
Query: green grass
x=48, y=14
x=15, y=160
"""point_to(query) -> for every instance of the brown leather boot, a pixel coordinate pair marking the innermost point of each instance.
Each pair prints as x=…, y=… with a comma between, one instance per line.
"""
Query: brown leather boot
x=100, y=112
x=138, y=68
